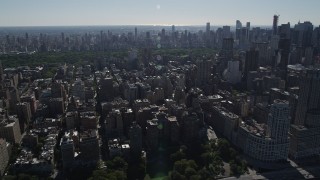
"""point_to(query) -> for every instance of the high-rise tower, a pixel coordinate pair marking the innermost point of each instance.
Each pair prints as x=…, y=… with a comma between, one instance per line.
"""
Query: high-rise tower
x=1, y=72
x=304, y=133
x=275, y=24
x=208, y=28
x=251, y=61
x=309, y=95
x=279, y=120
x=135, y=33
x=135, y=136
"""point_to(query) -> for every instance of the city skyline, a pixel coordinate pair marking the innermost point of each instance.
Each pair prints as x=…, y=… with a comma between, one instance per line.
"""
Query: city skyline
x=142, y=12
x=150, y=89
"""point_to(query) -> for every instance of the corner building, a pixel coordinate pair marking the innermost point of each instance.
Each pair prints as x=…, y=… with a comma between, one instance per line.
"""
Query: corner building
x=267, y=142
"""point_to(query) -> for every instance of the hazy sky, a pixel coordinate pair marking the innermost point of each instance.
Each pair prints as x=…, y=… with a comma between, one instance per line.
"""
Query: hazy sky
x=141, y=12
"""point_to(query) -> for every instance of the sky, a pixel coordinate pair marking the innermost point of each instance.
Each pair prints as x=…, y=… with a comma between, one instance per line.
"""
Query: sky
x=155, y=12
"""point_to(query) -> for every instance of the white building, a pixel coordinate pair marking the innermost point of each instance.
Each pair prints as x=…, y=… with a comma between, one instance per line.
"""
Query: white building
x=267, y=142
x=233, y=74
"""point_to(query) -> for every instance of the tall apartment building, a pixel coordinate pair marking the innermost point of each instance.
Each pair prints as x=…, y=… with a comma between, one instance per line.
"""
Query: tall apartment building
x=251, y=61
x=89, y=146
x=4, y=156
x=152, y=135
x=56, y=106
x=224, y=121
x=106, y=89
x=88, y=120
x=72, y=119
x=67, y=151
x=227, y=48
x=24, y=114
x=114, y=122
x=190, y=126
x=135, y=136
x=78, y=89
x=267, y=142
x=10, y=129
x=275, y=24
x=31, y=99
x=204, y=71
x=305, y=132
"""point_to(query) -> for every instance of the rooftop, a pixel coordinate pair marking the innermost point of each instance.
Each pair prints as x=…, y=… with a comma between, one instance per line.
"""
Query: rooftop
x=254, y=128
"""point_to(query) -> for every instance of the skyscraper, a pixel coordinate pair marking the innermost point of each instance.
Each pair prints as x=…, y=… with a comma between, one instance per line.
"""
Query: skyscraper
x=238, y=24
x=284, y=31
x=4, y=156
x=106, y=89
x=267, y=143
x=135, y=135
x=102, y=40
x=226, y=32
x=302, y=34
x=190, y=127
x=10, y=129
x=279, y=120
x=238, y=29
x=208, y=36
x=1, y=72
x=275, y=24
x=24, y=115
x=309, y=95
x=67, y=151
x=204, y=70
x=152, y=134
x=135, y=33
x=251, y=61
x=62, y=38
x=248, y=30
x=284, y=47
x=208, y=28
x=304, y=133
x=227, y=48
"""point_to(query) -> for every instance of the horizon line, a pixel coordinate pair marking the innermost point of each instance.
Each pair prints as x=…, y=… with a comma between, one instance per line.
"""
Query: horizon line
x=169, y=25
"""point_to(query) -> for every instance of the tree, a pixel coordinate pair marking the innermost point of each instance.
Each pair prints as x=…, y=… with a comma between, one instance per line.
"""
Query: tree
x=120, y=164
x=233, y=153
x=119, y=175
x=190, y=172
x=137, y=170
x=174, y=175
x=180, y=166
x=205, y=174
x=26, y=177
x=116, y=170
x=117, y=163
x=195, y=177
x=184, y=168
x=177, y=156
x=112, y=175
x=224, y=148
x=147, y=177
x=99, y=174
x=9, y=177
x=180, y=154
